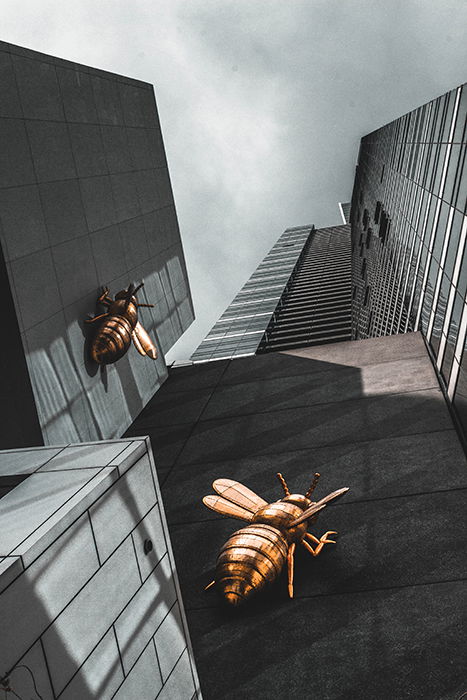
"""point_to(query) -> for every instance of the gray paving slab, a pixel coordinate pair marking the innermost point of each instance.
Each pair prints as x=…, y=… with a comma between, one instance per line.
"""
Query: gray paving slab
x=51, y=150
x=33, y=600
x=77, y=95
x=107, y=99
x=75, y=271
x=63, y=210
x=108, y=267
x=16, y=166
x=100, y=675
x=88, y=149
x=396, y=466
x=336, y=384
x=36, y=287
x=10, y=106
x=26, y=461
x=23, y=226
x=379, y=644
x=10, y=568
x=38, y=88
x=180, y=683
x=98, y=202
x=115, y=142
x=81, y=626
x=21, y=680
x=139, y=621
x=170, y=642
x=150, y=529
x=120, y=510
x=144, y=682
x=314, y=426
x=173, y=409
x=87, y=456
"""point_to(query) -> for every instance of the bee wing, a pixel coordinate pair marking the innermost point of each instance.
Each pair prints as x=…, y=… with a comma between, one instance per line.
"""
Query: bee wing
x=318, y=506
x=237, y=493
x=143, y=342
x=220, y=505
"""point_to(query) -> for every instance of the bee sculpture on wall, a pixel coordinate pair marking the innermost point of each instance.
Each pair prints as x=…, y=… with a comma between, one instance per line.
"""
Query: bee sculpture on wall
x=119, y=326
x=255, y=555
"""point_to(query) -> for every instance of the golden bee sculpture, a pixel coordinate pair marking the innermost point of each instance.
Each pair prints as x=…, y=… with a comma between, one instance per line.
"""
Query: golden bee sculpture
x=254, y=556
x=119, y=326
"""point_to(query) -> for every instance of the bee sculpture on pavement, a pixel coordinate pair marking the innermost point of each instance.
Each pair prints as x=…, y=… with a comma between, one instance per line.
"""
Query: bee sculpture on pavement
x=254, y=556
x=119, y=326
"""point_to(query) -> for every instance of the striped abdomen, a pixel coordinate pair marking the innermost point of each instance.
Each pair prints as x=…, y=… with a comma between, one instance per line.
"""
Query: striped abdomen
x=112, y=340
x=250, y=559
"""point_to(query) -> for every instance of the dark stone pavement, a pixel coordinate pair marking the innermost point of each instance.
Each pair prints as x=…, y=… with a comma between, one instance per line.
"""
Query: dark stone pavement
x=382, y=614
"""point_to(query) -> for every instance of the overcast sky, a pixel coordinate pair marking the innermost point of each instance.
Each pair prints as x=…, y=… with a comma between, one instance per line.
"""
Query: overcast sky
x=262, y=104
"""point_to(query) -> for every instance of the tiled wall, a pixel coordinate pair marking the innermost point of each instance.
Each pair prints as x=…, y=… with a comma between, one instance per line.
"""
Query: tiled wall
x=85, y=201
x=89, y=608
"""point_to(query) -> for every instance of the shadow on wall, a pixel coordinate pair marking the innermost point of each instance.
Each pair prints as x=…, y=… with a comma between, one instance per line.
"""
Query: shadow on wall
x=93, y=624
x=76, y=400
x=385, y=432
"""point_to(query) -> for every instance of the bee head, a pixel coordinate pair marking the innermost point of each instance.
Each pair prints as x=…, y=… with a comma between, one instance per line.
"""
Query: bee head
x=298, y=500
x=129, y=294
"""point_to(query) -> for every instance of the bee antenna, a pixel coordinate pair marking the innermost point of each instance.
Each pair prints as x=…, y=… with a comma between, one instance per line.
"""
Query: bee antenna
x=284, y=483
x=138, y=287
x=313, y=485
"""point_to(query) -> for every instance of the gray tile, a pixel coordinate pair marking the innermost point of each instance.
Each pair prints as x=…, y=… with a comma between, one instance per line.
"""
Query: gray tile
x=15, y=157
x=34, y=599
x=149, y=201
x=194, y=377
x=134, y=242
x=140, y=619
x=107, y=98
x=77, y=95
x=180, y=685
x=322, y=387
x=98, y=202
x=150, y=528
x=38, y=88
x=164, y=187
x=124, y=188
x=10, y=105
x=138, y=105
x=118, y=512
x=129, y=456
x=108, y=253
x=116, y=148
x=36, y=287
x=33, y=502
x=173, y=408
x=81, y=626
x=384, y=643
x=140, y=153
x=10, y=568
x=88, y=149
x=315, y=426
x=384, y=468
x=74, y=265
x=21, y=681
x=144, y=682
x=170, y=643
x=100, y=675
x=51, y=150
x=59, y=520
x=86, y=456
x=22, y=221
x=63, y=210
x=26, y=461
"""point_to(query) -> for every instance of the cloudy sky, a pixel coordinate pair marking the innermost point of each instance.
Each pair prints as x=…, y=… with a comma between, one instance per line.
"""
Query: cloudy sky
x=262, y=104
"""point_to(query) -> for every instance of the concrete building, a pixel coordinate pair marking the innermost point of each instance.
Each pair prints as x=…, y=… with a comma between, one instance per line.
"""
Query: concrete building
x=299, y=295
x=409, y=229
x=85, y=202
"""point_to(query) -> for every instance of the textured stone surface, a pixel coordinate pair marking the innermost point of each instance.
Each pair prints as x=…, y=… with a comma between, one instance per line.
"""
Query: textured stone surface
x=378, y=615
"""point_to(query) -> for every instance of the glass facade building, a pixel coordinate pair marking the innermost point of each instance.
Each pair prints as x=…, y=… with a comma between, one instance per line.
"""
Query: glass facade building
x=315, y=306
x=241, y=327
x=299, y=295
x=409, y=230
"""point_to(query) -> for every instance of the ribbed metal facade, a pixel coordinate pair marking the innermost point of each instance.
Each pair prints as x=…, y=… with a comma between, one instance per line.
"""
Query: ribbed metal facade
x=409, y=231
x=241, y=327
x=315, y=307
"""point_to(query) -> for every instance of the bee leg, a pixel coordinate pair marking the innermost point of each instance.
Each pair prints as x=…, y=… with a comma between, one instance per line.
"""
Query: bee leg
x=96, y=318
x=104, y=297
x=290, y=563
x=320, y=542
x=209, y=585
